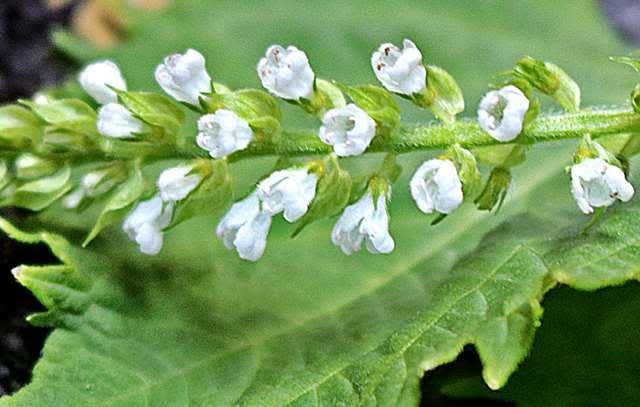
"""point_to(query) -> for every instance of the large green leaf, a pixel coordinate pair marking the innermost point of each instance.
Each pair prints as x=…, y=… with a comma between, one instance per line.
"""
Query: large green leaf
x=307, y=325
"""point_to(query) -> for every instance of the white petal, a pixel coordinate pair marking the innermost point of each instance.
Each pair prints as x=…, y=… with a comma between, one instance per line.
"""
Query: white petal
x=286, y=73
x=251, y=239
x=116, y=121
x=290, y=190
x=436, y=186
x=349, y=129
x=501, y=113
x=174, y=184
x=184, y=76
x=223, y=133
x=96, y=77
x=400, y=71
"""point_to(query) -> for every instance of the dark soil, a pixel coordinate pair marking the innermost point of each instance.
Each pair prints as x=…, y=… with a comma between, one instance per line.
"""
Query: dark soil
x=28, y=62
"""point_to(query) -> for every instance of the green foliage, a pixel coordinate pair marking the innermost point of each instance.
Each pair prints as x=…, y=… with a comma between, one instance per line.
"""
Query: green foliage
x=154, y=109
x=66, y=114
x=378, y=103
x=306, y=325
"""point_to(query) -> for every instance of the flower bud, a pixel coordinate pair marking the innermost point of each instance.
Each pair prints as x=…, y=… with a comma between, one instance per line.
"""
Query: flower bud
x=96, y=79
x=348, y=129
x=289, y=191
x=366, y=220
x=436, y=187
x=176, y=183
x=18, y=127
x=28, y=165
x=184, y=77
x=501, y=113
x=495, y=190
x=94, y=184
x=400, y=71
x=286, y=73
x=116, y=121
x=537, y=75
x=223, y=133
x=596, y=183
x=245, y=228
x=145, y=223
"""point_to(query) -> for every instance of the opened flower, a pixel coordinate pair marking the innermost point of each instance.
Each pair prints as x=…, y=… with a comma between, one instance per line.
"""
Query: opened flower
x=348, y=129
x=400, y=70
x=96, y=78
x=289, y=191
x=145, y=223
x=501, y=113
x=436, y=187
x=223, y=133
x=245, y=228
x=116, y=121
x=364, y=221
x=184, y=77
x=286, y=73
x=596, y=183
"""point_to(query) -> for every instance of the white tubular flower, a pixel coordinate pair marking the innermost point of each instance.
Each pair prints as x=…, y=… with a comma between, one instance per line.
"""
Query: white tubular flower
x=364, y=221
x=245, y=228
x=348, y=129
x=174, y=184
x=145, y=223
x=286, y=73
x=400, y=71
x=290, y=190
x=501, y=113
x=95, y=77
x=223, y=133
x=596, y=183
x=116, y=121
x=436, y=187
x=184, y=76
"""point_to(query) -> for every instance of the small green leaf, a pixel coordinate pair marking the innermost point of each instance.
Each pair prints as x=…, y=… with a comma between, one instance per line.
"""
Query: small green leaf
x=39, y=194
x=154, y=109
x=120, y=201
x=332, y=193
x=568, y=94
x=446, y=99
x=18, y=127
x=213, y=192
x=495, y=190
x=538, y=75
x=635, y=99
x=29, y=165
x=503, y=155
x=467, y=168
x=69, y=114
x=632, y=61
x=330, y=92
x=257, y=107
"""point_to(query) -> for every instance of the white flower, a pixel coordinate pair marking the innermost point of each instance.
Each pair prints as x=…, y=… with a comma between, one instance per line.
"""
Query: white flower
x=245, y=228
x=94, y=80
x=174, y=184
x=364, y=221
x=400, y=71
x=92, y=184
x=501, y=113
x=348, y=129
x=116, y=121
x=290, y=190
x=223, y=133
x=184, y=76
x=595, y=183
x=286, y=73
x=436, y=187
x=145, y=223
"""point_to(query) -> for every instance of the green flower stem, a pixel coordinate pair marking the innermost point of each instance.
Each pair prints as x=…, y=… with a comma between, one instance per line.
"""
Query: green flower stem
x=405, y=139
x=466, y=133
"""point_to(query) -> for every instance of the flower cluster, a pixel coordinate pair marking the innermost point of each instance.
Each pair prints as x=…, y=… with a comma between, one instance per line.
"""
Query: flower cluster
x=133, y=128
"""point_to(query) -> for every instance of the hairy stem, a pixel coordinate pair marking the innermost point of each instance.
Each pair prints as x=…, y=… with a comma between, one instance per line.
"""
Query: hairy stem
x=466, y=133
x=406, y=139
